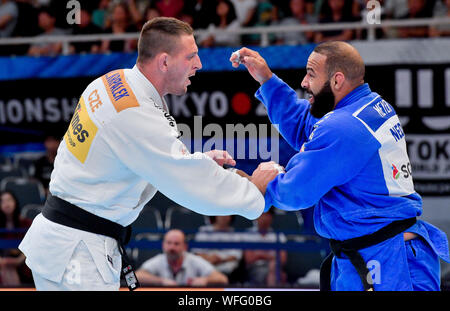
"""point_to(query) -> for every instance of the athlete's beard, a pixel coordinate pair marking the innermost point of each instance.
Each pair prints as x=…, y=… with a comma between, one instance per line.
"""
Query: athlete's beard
x=323, y=101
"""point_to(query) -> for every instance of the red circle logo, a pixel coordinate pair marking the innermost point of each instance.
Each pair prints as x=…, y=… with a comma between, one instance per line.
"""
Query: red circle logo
x=241, y=103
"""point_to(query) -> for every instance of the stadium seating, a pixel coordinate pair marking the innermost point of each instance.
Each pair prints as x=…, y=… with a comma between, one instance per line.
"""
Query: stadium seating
x=9, y=171
x=300, y=262
x=287, y=221
x=140, y=254
x=182, y=218
x=161, y=203
x=25, y=165
x=241, y=223
x=30, y=211
x=5, y=161
x=149, y=220
x=27, y=190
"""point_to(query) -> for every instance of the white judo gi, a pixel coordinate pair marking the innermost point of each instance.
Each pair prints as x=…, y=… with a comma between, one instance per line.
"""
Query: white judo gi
x=120, y=148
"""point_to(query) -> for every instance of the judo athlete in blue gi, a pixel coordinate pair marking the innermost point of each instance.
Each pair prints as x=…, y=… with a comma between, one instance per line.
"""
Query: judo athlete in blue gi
x=352, y=165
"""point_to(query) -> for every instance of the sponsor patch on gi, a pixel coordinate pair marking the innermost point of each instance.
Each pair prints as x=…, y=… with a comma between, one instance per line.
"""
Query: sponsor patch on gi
x=81, y=132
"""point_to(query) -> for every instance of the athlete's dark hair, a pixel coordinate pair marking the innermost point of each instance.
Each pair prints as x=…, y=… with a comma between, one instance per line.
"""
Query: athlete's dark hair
x=340, y=60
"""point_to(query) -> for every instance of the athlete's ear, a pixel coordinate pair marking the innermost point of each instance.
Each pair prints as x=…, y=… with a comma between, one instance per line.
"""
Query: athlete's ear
x=337, y=81
x=163, y=61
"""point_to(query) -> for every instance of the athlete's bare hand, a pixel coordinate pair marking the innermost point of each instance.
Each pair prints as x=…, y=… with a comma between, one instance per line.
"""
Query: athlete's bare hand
x=221, y=157
x=255, y=64
x=265, y=173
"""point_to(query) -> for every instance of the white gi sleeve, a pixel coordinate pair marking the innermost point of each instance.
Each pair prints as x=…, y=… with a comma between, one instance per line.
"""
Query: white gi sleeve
x=146, y=142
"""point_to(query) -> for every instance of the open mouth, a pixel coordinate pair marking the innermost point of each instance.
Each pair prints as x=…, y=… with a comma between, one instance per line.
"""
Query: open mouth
x=310, y=97
x=188, y=80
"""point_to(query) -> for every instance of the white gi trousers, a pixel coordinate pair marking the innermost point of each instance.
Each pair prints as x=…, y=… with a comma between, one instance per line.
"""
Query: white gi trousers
x=81, y=274
x=64, y=258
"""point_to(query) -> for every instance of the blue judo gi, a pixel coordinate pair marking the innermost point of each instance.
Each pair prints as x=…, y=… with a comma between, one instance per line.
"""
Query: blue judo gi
x=352, y=164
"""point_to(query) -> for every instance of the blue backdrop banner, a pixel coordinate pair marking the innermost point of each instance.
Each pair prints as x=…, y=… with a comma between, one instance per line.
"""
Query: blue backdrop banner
x=93, y=65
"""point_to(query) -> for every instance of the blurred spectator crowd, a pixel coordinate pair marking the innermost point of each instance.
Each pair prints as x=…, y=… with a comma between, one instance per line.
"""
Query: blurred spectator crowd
x=23, y=18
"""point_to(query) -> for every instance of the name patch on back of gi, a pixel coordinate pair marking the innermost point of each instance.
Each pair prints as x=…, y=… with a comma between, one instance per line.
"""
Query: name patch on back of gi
x=119, y=92
x=375, y=114
x=81, y=132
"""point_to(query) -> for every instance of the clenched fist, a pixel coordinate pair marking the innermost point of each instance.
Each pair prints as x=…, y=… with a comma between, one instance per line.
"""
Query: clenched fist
x=221, y=157
x=255, y=64
x=265, y=173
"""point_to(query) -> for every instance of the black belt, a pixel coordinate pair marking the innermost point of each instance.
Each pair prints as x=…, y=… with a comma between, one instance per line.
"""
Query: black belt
x=70, y=215
x=350, y=249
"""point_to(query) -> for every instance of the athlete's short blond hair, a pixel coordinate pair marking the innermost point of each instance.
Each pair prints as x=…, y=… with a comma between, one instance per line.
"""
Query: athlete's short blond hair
x=161, y=34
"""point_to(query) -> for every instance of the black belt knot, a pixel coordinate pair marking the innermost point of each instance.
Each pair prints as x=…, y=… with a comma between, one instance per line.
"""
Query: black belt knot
x=350, y=249
x=70, y=215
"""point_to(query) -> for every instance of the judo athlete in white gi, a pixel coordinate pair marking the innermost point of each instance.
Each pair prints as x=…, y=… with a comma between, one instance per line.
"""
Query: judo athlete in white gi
x=120, y=148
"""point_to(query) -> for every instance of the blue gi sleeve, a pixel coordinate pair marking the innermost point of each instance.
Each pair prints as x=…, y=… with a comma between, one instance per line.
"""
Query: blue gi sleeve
x=286, y=111
x=338, y=150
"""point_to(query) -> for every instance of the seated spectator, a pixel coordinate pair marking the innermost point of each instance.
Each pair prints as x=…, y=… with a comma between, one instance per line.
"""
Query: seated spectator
x=440, y=8
x=416, y=9
x=202, y=12
x=61, y=13
x=44, y=165
x=177, y=267
x=135, y=15
x=224, y=260
x=13, y=271
x=395, y=8
x=336, y=11
x=150, y=12
x=261, y=265
x=443, y=10
x=298, y=16
x=311, y=8
x=120, y=23
x=100, y=14
x=170, y=8
x=46, y=21
x=245, y=10
x=85, y=27
x=225, y=20
x=283, y=8
x=8, y=17
x=187, y=18
x=265, y=13
x=27, y=21
x=358, y=6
